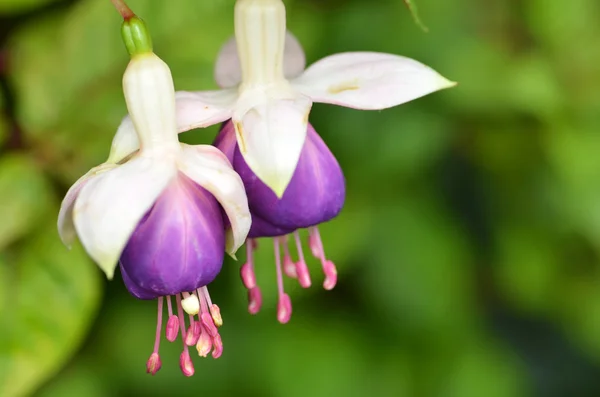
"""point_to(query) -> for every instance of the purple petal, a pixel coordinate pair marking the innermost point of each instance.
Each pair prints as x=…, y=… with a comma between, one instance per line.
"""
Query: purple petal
x=315, y=194
x=179, y=244
x=226, y=140
x=133, y=288
x=262, y=228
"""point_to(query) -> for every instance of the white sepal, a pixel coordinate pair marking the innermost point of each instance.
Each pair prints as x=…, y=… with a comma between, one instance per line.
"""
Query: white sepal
x=209, y=168
x=271, y=135
x=110, y=206
x=368, y=80
x=66, y=228
x=204, y=108
x=124, y=143
x=228, y=71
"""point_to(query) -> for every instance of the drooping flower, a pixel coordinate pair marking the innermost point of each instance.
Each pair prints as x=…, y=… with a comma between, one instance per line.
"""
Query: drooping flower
x=158, y=211
x=315, y=195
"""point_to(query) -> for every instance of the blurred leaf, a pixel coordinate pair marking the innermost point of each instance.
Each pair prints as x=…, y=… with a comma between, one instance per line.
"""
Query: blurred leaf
x=580, y=313
x=305, y=366
x=572, y=151
x=26, y=197
x=53, y=296
x=3, y=123
x=484, y=370
x=3, y=130
x=390, y=373
x=79, y=380
x=418, y=274
x=396, y=144
x=527, y=272
x=16, y=6
x=533, y=87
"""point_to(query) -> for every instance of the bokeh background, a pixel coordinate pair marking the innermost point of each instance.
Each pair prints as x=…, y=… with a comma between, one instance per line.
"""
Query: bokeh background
x=468, y=250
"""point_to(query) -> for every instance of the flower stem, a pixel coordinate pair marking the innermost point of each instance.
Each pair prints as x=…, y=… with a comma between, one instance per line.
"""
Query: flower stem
x=123, y=9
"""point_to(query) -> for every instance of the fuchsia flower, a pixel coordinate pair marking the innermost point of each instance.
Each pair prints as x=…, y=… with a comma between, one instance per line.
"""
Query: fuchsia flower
x=292, y=179
x=315, y=195
x=158, y=210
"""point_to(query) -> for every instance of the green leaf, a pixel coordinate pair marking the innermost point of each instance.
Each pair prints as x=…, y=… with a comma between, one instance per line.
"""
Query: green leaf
x=17, y=6
x=305, y=366
x=49, y=296
x=26, y=196
x=418, y=273
x=484, y=369
x=3, y=123
x=527, y=271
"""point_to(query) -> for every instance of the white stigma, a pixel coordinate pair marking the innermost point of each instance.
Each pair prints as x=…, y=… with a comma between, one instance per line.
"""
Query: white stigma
x=190, y=304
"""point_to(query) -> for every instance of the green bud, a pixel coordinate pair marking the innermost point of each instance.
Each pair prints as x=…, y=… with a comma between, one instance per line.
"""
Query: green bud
x=136, y=36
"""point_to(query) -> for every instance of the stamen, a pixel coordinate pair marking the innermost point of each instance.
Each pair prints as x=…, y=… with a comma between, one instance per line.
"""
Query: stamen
x=185, y=362
x=204, y=344
x=247, y=270
x=158, y=324
x=316, y=246
x=289, y=267
x=284, y=305
x=169, y=307
x=203, y=301
x=254, y=300
x=301, y=268
x=313, y=243
x=215, y=311
x=218, y=346
x=153, y=364
x=172, y=328
x=284, y=309
x=190, y=303
x=330, y=275
x=193, y=332
x=205, y=317
x=249, y=278
x=208, y=324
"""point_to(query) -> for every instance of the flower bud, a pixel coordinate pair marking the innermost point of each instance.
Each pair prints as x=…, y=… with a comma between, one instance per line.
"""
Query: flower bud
x=136, y=36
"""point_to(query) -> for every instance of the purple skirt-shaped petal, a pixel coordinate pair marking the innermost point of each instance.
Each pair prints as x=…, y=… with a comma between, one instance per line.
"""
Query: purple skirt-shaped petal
x=262, y=228
x=179, y=244
x=315, y=194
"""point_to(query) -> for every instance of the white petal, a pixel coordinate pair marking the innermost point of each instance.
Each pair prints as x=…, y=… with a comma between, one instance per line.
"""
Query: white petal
x=228, y=72
x=110, y=206
x=192, y=109
x=209, y=168
x=368, y=80
x=124, y=143
x=203, y=108
x=270, y=137
x=66, y=228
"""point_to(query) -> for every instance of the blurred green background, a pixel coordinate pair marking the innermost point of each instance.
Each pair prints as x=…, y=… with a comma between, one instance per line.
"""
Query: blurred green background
x=468, y=251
